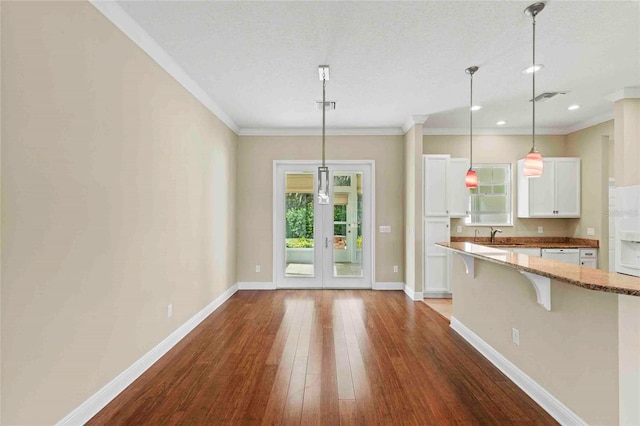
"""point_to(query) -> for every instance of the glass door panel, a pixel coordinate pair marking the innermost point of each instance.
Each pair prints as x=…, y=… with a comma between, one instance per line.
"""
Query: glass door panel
x=299, y=213
x=348, y=262
x=347, y=225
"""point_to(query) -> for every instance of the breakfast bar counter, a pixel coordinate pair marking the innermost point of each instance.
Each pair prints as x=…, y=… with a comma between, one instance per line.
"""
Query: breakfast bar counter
x=592, y=279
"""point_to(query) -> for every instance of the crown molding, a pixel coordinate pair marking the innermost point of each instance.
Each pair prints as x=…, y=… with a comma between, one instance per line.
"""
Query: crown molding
x=114, y=13
x=598, y=119
x=308, y=131
x=625, y=93
x=412, y=121
x=433, y=131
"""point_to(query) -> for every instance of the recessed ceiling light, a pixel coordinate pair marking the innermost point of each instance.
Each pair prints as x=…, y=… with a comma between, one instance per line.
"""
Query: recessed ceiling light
x=532, y=69
x=501, y=123
x=475, y=107
x=573, y=107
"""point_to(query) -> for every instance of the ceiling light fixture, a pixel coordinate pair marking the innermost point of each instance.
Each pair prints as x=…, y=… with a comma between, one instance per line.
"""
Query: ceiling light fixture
x=323, y=171
x=471, y=179
x=573, y=107
x=532, y=69
x=475, y=107
x=533, y=163
x=501, y=123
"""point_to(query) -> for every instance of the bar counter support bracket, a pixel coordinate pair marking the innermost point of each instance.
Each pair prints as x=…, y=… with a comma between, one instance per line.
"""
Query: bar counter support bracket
x=542, y=285
x=469, y=263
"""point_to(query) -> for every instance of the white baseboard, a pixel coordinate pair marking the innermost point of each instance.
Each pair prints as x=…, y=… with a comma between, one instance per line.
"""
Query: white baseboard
x=413, y=295
x=540, y=395
x=100, y=399
x=388, y=286
x=257, y=285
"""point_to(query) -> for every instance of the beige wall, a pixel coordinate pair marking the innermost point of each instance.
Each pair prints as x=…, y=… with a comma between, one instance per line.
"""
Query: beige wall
x=570, y=351
x=502, y=149
x=627, y=142
x=255, y=196
x=592, y=145
x=118, y=198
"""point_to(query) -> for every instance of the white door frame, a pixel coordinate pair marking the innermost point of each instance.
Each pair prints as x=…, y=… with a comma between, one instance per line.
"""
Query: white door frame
x=278, y=225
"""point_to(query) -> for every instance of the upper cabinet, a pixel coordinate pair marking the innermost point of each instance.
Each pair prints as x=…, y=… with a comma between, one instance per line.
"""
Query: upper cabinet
x=458, y=193
x=555, y=194
x=445, y=193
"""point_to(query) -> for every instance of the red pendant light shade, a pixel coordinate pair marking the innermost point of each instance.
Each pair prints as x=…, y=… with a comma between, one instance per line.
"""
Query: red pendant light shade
x=471, y=179
x=533, y=164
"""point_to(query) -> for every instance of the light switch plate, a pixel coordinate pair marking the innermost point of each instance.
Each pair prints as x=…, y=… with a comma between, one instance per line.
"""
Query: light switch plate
x=591, y=231
x=458, y=229
x=385, y=229
x=539, y=229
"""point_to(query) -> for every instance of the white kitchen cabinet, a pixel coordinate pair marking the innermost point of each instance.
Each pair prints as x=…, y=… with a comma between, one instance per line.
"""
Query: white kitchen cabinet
x=457, y=191
x=445, y=192
x=589, y=258
x=435, y=185
x=436, y=259
x=555, y=194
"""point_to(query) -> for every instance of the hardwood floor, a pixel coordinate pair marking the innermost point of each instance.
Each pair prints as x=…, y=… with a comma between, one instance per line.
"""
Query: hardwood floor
x=442, y=306
x=324, y=357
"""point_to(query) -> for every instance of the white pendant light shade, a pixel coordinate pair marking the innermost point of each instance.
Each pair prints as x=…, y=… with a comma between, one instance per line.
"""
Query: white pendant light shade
x=323, y=171
x=323, y=185
x=533, y=164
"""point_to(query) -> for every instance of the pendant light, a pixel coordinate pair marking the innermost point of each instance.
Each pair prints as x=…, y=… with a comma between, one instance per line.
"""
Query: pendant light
x=471, y=180
x=323, y=171
x=533, y=161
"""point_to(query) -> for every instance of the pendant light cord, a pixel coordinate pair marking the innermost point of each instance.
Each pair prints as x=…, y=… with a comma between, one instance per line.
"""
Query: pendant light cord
x=324, y=109
x=471, y=125
x=533, y=133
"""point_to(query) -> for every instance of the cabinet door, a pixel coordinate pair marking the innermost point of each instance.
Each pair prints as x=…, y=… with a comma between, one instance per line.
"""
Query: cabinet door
x=435, y=185
x=458, y=193
x=541, y=191
x=567, y=187
x=436, y=259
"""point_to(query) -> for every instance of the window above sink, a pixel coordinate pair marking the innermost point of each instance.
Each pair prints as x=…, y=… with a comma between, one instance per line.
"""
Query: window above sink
x=490, y=203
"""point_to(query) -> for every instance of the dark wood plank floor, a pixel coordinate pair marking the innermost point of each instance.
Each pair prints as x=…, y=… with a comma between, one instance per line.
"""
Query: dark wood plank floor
x=322, y=357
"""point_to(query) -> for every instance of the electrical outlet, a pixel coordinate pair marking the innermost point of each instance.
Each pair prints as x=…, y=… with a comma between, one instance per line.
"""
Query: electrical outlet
x=591, y=231
x=539, y=229
x=170, y=310
x=515, y=336
x=459, y=229
x=395, y=268
x=385, y=229
x=257, y=268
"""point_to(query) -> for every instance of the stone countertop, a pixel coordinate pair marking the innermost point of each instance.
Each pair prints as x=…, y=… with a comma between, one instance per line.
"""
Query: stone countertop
x=592, y=279
x=531, y=242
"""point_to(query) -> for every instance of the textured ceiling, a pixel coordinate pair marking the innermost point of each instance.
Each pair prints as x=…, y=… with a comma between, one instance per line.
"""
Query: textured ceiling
x=390, y=60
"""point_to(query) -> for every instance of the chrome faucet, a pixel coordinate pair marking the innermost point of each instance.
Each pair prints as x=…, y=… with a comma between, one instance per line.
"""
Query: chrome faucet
x=492, y=239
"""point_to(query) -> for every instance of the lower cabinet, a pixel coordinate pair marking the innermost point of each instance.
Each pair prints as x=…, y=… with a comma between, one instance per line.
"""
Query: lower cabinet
x=436, y=263
x=589, y=258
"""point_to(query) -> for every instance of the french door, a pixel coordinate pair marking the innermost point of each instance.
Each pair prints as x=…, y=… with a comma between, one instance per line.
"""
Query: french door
x=323, y=246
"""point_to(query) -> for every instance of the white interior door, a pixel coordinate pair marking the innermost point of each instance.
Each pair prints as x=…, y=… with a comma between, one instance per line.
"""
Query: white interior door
x=323, y=246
